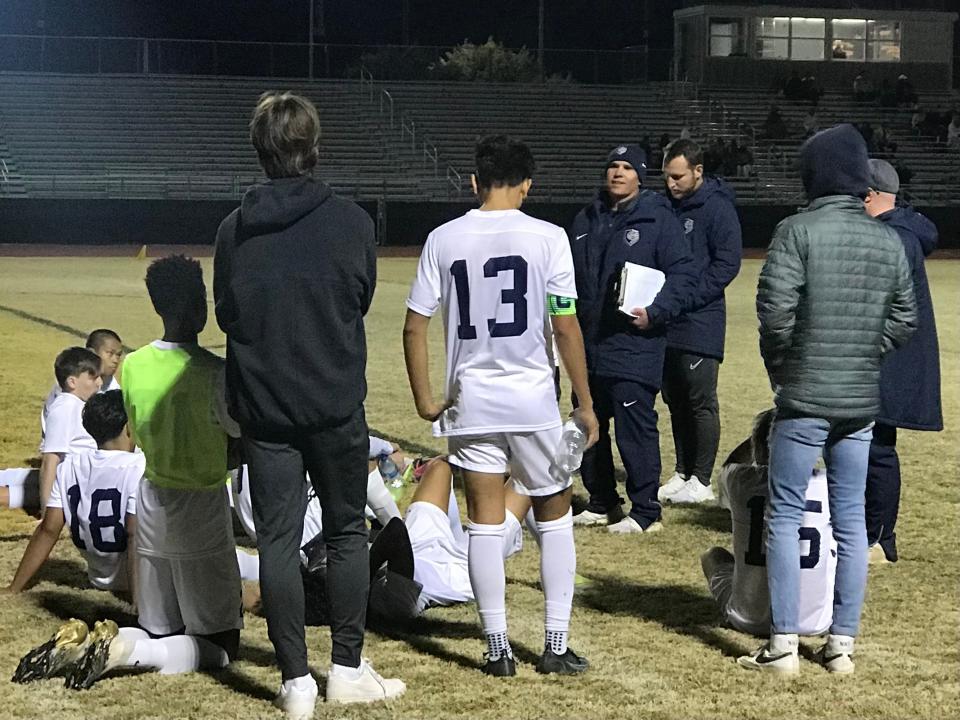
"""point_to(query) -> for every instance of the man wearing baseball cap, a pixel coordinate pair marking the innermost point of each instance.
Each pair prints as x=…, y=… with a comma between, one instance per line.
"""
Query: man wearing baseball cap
x=626, y=223
x=909, y=376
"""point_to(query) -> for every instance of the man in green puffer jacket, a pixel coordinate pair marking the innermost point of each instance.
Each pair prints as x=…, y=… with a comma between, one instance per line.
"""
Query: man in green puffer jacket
x=835, y=294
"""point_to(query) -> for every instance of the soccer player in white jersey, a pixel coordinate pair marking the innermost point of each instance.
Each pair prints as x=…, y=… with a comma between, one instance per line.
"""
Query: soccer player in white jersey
x=738, y=582
x=78, y=373
x=95, y=496
x=488, y=272
x=109, y=348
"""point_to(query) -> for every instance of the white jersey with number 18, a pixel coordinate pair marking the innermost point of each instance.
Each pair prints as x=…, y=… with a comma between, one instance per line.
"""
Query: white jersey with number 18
x=749, y=606
x=490, y=272
x=96, y=491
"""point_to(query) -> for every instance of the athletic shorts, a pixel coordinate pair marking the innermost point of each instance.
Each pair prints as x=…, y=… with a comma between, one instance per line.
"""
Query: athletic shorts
x=200, y=595
x=530, y=458
x=440, y=561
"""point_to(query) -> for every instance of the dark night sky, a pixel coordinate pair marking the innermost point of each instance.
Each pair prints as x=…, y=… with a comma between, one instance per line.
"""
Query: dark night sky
x=602, y=24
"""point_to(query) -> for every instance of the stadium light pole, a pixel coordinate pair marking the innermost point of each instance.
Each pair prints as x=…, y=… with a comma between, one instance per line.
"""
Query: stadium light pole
x=540, y=39
x=310, y=43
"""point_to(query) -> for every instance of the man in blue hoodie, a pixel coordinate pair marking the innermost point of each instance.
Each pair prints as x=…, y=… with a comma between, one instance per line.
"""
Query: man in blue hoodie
x=909, y=377
x=695, y=340
x=834, y=296
x=626, y=223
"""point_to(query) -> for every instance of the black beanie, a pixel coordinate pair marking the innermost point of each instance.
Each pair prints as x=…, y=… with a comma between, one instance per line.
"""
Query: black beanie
x=835, y=162
x=632, y=154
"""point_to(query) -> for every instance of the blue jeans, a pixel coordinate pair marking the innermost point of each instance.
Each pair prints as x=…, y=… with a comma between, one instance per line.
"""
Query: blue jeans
x=795, y=445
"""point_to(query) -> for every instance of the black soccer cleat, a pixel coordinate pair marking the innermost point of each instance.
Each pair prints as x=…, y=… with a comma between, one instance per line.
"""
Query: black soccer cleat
x=567, y=664
x=60, y=651
x=503, y=666
x=93, y=664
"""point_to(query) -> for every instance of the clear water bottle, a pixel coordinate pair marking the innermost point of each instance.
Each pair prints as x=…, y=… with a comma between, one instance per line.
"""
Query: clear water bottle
x=572, y=444
x=390, y=473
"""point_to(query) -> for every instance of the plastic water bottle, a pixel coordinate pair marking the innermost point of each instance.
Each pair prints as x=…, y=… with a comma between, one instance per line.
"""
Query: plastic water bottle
x=572, y=444
x=391, y=475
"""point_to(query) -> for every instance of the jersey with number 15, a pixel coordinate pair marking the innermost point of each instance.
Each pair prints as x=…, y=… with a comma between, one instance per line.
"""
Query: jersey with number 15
x=490, y=272
x=96, y=491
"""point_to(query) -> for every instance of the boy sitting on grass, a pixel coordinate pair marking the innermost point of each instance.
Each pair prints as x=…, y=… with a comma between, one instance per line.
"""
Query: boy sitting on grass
x=95, y=495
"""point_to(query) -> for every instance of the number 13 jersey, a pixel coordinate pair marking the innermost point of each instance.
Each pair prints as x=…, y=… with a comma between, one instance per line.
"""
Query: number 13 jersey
x=490, y=273
x=96, y=491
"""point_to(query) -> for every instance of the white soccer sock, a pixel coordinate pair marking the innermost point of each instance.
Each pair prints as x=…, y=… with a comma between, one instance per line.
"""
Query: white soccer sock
x=558, y=564
x=249, y=565
x=379, y=498
x=23, y=487
x=169, y=655
x=530, y=521
x=513, y=529
x=487, y=577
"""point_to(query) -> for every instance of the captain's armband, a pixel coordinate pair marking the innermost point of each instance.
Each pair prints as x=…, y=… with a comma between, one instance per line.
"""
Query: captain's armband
x=558, y=305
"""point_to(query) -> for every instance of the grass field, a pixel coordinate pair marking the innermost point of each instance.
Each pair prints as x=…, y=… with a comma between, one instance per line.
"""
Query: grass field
x=647, y=622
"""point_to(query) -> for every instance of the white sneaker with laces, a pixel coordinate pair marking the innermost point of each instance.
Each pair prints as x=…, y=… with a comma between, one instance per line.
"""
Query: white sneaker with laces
x=693, y=492
x=835, y=656
x=368, y=687
x=779, y=656
x=298, y=697
x=671, y=486
x=590, y=519
x=629, y=526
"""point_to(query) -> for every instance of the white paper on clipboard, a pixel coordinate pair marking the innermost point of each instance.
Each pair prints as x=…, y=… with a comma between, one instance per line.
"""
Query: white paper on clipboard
x=639, y=286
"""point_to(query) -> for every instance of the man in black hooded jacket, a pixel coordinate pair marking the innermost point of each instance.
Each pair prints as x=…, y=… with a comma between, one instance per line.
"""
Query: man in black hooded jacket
x=294, y=275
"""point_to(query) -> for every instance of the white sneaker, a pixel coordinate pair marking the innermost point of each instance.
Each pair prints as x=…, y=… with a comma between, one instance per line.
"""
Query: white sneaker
x=836, y=655
x=779, y=656
x=297, y=697
x=590, y=519
x=367, y=688
x=693, y=492
x=876, y=556
x=629, y=526
x=671, y=486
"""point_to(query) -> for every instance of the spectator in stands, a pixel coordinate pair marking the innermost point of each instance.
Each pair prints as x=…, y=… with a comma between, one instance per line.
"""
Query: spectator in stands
x=774, y=127
x=645, y=144
x=953, y=132
x=884, y=141
x=916, y=119
x=695, y=341
x=905, y=93
x=824, y=368
x=866, y=130
x=626, y=223
x=838, y=52
x=294, y=255
x=811, y=122
x=730, y=155
x=909, y=376
x=793, y=89
x=863, y=87
x=744, y=161
x=811, y=90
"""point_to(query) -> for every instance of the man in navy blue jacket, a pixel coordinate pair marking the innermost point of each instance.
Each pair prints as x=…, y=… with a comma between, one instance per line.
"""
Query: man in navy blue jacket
x=909, y=376
x=695, y=340
x=626, y=223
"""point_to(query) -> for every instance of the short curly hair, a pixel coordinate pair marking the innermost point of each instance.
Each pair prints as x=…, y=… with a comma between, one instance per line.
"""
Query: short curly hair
x=175, y=285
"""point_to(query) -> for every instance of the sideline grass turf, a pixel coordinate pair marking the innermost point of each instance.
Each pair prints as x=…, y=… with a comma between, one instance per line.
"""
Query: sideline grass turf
x=646, y=622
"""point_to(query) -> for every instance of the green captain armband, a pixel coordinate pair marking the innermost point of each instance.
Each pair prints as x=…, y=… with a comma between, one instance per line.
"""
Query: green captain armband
x=558, y=305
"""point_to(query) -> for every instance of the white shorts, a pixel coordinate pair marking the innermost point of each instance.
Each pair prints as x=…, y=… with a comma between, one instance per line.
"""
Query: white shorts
x=530, y=458
x=440, y=559
x=200, y=595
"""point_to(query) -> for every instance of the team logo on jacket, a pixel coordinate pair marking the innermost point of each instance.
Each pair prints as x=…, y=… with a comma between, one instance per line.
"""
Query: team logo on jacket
x=631, y=236
x=688, y=226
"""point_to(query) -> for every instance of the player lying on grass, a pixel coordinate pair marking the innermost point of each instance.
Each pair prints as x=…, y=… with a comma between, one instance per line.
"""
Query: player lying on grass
x=95, y=496
x=421, y=561
x=738, y=581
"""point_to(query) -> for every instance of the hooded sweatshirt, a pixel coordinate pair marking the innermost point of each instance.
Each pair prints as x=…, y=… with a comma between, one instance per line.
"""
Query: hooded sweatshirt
x=712, y=228
x=910, y=376
x=294, y=275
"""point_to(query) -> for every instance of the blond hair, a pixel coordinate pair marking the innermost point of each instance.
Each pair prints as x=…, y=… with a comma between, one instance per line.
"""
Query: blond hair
x=285, y=132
